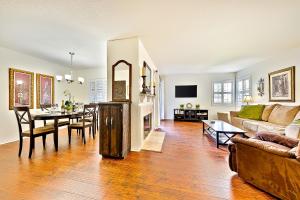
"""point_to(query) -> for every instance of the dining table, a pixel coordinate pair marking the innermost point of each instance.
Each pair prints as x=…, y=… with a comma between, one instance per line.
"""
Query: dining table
x=56, y=116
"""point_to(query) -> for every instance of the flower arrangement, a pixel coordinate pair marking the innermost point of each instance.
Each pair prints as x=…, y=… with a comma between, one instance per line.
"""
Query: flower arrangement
x=68, y=102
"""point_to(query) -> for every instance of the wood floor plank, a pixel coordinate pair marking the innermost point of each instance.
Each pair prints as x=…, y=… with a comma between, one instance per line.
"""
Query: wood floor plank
x=190, y=167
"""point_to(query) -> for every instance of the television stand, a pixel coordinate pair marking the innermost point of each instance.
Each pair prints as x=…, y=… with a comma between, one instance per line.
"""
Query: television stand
x=190, y=115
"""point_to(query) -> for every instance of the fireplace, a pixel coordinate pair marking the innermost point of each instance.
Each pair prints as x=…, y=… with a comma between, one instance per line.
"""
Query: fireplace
x=147, y=124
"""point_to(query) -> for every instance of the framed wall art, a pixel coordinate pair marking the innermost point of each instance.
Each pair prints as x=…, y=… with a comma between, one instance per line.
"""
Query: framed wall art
x=44, y=90
x=282, y=85
x=21, y=88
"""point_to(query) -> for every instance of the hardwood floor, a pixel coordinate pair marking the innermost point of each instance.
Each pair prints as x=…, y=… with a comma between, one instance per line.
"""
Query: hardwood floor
x=190, y=167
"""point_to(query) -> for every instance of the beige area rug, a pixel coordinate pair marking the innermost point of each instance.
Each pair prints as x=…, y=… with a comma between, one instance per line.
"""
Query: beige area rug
x=155, y=141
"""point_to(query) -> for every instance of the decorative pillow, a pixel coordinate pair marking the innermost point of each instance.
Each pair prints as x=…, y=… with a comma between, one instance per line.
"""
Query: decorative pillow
x=283, y=115
x=267, y=111
x=251, y=112
x=278, y=139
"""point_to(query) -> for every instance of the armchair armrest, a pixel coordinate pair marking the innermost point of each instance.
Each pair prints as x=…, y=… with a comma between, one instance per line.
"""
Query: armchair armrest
x=264, y=146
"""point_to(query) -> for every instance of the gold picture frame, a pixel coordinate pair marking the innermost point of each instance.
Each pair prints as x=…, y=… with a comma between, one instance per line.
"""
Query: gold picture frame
x=45, y=94
x=282, y=85
x=21, y=88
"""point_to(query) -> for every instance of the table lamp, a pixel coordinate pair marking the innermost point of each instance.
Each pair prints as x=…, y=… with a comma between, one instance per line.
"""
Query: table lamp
x=247, y=99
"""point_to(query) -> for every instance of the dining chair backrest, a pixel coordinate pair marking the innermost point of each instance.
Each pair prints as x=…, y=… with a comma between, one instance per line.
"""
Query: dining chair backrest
x=23, y=118
x=89, y=111
x=95, y=104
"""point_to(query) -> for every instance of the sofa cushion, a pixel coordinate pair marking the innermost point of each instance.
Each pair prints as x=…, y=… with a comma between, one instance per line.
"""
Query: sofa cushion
x=293, y=130
x=250, y=125
x=283, y=115
x=267, y=111
x=255, y=126
x=238, y=122
x=251, y=112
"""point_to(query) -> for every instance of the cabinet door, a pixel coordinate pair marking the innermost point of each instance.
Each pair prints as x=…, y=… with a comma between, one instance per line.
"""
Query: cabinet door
x=104, y=130
x=116, y=131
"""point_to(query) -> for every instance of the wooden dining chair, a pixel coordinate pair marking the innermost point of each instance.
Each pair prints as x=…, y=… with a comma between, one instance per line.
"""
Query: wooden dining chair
x=88, y=113
x=97, y=115
x=61, y=122
x=96, y=124
x=24, y=118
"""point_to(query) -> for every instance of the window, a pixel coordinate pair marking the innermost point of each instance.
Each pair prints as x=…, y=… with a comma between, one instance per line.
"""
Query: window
x=97, y=90
x=243, y=89
x=223, y=92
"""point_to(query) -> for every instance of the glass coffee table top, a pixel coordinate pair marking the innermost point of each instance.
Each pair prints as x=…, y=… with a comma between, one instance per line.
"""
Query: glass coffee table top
x=221, y=126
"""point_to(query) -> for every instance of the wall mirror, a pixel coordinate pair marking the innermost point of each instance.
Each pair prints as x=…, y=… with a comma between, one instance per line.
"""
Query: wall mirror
x=121, y=81
x=148, y=75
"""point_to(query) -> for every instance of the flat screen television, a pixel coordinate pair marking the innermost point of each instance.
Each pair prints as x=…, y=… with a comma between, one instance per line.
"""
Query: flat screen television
x=186, y=91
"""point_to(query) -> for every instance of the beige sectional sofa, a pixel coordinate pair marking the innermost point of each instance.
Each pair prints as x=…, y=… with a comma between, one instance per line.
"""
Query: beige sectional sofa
x=275, y=118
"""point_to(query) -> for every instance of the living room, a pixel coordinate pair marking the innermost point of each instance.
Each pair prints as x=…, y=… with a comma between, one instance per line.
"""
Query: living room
x=149, y=100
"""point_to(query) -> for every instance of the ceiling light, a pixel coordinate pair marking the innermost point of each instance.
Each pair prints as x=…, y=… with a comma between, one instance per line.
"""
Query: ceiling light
x=59, y=78
x=80, y=80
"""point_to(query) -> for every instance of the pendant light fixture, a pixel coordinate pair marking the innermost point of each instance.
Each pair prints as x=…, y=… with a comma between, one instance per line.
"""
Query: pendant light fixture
x=69, y=77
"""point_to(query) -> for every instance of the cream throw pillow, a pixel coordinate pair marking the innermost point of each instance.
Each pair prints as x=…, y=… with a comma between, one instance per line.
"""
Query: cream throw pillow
x=267, y=111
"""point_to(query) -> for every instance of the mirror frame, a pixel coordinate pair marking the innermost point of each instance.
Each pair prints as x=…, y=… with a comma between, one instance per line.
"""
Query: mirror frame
x=113, y=80
x=147, y=66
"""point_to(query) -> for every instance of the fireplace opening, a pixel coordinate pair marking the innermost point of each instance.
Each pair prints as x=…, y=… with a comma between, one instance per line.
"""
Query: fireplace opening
x=147, y=124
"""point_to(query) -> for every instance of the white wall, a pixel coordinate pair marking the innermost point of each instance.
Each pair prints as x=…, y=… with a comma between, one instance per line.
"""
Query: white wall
x=144, y=56
x=9, y=58
x=276, y=62
x=133, y=51
x=204, y=92
x=81, y=92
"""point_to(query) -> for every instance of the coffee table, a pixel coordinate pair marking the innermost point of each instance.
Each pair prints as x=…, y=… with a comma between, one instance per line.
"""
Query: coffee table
x=221, y=131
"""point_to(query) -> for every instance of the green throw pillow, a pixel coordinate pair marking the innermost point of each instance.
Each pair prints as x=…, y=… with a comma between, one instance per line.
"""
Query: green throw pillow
x=251, y=112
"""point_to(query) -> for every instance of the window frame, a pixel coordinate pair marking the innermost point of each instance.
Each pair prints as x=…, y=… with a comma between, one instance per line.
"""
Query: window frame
x=244, y=92
x=222, y=82
x=93, y=97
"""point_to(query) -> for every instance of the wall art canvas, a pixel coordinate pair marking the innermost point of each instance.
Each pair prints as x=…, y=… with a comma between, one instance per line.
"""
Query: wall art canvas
x=21, y=86
x=44, y=90
x=282, y=85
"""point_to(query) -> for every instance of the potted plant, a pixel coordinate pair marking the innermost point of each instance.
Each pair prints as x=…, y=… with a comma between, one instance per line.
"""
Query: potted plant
x=197, y=106
x=68, y=106
x=68, y=102
x=181, y=106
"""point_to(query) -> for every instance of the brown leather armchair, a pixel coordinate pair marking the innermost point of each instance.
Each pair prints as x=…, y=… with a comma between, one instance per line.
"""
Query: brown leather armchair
x=268, y=161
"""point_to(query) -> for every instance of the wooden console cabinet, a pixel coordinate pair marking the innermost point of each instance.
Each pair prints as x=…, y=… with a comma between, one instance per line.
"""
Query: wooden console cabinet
x=114, y=129
x=190, y=115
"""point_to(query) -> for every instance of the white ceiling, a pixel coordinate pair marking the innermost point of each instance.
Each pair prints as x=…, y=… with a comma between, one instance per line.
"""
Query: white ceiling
x=181, y=36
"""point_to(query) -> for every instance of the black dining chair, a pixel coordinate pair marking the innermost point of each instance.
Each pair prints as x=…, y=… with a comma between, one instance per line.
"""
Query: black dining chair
x=61, y=122
x=24, y=118
x=87, y=115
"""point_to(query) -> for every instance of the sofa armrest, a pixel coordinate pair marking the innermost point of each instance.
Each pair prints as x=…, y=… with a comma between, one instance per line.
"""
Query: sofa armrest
x=264, y=146
x=234, y=114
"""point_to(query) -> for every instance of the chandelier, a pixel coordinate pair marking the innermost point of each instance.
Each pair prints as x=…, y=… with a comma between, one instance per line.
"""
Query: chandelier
x=69, y=77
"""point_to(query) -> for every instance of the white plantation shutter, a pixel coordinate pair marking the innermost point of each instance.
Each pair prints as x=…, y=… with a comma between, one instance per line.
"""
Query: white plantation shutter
x=223, y=92
x=243, y=89
x=97, y=90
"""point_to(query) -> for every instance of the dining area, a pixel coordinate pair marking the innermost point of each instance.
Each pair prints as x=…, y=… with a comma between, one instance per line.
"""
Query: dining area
x=49, y=120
